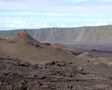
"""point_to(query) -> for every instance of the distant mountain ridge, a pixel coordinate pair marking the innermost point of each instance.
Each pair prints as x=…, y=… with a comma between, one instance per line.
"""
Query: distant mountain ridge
x=81, y=35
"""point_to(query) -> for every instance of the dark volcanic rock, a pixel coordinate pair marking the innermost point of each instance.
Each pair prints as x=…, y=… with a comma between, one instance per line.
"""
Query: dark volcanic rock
x=18, y=75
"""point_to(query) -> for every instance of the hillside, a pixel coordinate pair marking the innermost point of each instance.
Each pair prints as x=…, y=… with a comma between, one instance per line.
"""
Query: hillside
x=23, y=46
x=28, y=64
x=81, y=35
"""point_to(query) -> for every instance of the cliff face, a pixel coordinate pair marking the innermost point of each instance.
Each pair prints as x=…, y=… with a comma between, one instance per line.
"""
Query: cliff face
x=82, y=35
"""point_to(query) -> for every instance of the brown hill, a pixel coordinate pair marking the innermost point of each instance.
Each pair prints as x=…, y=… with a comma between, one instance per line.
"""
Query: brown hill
x=23, y=46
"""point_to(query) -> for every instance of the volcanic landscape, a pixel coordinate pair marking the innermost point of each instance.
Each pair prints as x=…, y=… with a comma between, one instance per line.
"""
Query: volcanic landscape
x=56, y=61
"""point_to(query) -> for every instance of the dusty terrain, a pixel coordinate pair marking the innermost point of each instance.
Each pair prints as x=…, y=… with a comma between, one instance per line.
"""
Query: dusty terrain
x=27, y=64
x=18, y=75
x=23, y=46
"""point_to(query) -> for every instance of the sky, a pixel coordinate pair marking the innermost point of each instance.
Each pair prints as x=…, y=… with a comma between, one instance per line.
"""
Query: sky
x=32, y=14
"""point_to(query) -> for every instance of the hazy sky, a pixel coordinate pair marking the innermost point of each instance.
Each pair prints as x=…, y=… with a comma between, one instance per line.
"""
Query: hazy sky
x=16, y=14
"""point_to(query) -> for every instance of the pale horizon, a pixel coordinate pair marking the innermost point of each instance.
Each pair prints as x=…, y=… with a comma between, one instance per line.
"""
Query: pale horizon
x=35, y=14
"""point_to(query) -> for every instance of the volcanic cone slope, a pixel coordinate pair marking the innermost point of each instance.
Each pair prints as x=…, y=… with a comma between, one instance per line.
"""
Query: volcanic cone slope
x=23, y=46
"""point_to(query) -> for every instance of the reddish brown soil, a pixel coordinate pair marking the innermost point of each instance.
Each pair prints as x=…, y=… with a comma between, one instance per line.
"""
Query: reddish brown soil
x=25, y=47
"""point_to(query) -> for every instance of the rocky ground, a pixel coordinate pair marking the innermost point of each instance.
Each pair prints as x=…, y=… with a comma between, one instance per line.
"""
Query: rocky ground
x=16, y=74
